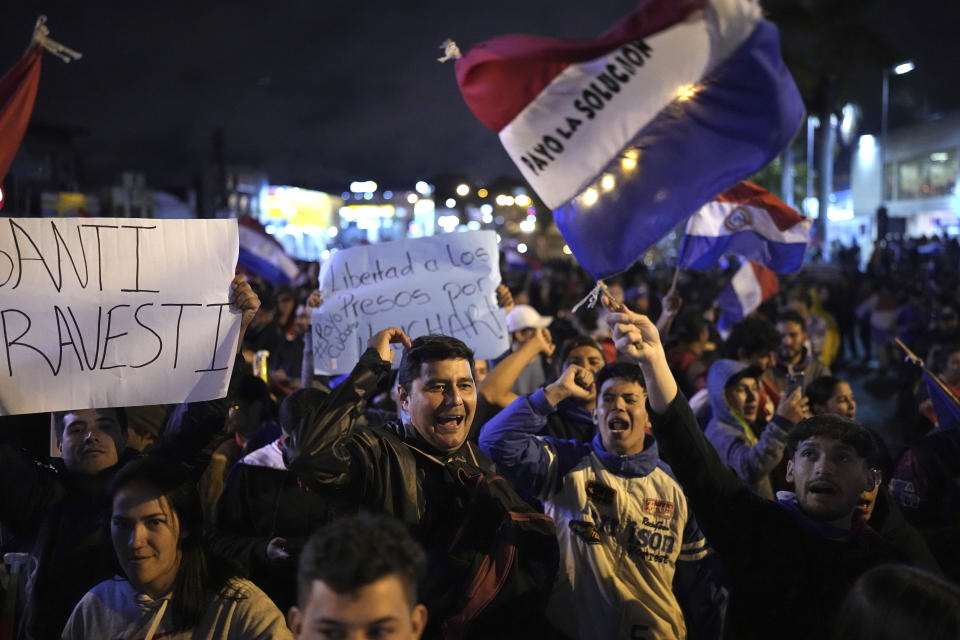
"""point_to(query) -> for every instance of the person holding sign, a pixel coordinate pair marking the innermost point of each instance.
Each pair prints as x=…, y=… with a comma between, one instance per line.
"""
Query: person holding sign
x=59, y=505
x=492, y=557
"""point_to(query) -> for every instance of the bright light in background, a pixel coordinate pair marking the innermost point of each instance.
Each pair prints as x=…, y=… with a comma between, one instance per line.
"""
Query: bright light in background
x=366, y=186
x=412, y=198
x=345, y=195
x=903, y=67
x=839, y=214
x=451, y=203
x=271, y=229
x=590, y=196
x=498, y=238
x=388, y=194
x=423, y=207
x=566, y=250
x=521, y=248
x=607, y=182
x=528, y=226
x=486, y=208
x=463, y=190
x=686, y=92
x=332, y=232
x=483, y=193
x=867, y=149
x=448, y=223
x=938, y=156
x=473, y=225
x=422, y=188
x=629, y=160
x=522, y=200
x=325, y=254
x=504, y=200
x=487, y=218
x=311, y=230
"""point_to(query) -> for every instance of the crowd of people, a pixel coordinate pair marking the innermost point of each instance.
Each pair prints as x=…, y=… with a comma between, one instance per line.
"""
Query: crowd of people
x=637, y=469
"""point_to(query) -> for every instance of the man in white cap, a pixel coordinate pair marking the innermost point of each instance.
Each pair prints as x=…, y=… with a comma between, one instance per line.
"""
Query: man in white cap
x=523, y=323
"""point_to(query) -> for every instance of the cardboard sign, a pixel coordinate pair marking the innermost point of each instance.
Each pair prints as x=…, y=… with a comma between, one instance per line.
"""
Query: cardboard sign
x=105, y=312
x=438, y=285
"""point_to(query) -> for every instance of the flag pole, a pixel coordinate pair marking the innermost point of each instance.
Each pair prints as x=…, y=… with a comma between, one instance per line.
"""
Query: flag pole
x=912, y=357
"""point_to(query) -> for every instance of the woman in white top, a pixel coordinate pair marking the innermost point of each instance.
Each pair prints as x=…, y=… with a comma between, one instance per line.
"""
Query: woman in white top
x=175, y=589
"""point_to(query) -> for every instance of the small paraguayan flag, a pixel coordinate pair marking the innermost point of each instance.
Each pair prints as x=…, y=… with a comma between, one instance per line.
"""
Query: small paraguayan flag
x=750, y=221
x=751, y=286
x=945, y=404
x=627, y=135
x=263, y=255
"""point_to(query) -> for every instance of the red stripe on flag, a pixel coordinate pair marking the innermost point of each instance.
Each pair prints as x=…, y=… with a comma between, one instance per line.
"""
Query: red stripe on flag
x=767, y=279
x=500, y=77
x=18, y=91
x=783, y=216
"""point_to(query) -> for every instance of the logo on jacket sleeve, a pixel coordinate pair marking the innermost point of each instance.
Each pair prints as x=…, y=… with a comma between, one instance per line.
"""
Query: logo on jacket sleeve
x=658, y=508
x=587, y=532
x=601, y=494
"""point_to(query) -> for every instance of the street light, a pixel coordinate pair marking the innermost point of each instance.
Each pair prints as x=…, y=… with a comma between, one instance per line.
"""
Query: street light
x=898, y=70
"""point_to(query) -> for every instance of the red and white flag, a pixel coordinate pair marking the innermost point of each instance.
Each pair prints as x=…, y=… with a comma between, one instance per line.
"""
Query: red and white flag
x=752, y=285
x=18, y=92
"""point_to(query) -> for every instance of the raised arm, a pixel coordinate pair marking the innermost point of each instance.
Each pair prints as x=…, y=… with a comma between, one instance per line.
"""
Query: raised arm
x=534, y=464
x=496, y=386
x=319, y=444
x=714, y=489
x=194, y=427
x=306, y=368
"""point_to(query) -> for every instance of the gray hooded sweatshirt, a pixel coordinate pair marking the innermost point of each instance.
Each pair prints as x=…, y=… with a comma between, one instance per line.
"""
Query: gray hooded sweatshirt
x=728, y=436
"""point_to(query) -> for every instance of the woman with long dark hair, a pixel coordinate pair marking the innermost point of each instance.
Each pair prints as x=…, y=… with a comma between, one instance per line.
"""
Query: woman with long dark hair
x=174, y=587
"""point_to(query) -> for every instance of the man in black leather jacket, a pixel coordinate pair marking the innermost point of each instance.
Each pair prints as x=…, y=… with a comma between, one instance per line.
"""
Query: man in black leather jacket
x=492, y=558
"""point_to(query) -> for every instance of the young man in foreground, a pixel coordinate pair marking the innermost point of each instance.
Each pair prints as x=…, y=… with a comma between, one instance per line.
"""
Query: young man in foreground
x=358, y=578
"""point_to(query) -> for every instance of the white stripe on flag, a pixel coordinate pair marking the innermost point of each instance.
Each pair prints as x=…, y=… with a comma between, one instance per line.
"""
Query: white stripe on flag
x=747, y=288
x=575, y=152
x=264, y=248
x=709, y=222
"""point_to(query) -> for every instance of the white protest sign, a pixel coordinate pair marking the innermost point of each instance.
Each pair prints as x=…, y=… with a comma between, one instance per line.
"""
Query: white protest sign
x=442, y=284
x=104, y=312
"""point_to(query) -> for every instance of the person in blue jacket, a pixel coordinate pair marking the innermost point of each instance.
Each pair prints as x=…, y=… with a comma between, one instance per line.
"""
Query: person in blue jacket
x=628, y=540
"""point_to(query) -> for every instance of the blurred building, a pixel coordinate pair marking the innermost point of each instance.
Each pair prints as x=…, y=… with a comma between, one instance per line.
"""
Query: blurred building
x=919, y=180
x=46, y=165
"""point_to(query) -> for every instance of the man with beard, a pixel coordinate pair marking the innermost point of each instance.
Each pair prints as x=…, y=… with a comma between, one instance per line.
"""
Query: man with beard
x=793, y=360
x=790, y=562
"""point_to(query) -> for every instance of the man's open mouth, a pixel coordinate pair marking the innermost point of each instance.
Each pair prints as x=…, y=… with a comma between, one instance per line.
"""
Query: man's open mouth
x=617, y=424
x=449, y=423
x=823, y=488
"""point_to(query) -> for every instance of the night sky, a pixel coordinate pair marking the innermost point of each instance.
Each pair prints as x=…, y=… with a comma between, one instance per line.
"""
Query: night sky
x=321, y=93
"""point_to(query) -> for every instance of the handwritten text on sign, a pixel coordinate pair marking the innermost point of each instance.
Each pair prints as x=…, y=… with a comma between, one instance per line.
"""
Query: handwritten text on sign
x=443, y=284
x=102, y=312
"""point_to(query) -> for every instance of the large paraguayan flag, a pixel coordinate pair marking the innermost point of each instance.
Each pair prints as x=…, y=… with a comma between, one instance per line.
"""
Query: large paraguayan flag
x=749, y=221
x=262, y=255
x=626, y=136
x=751, y=286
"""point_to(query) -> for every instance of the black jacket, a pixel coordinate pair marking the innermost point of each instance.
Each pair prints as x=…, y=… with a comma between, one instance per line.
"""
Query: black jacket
x=66, y=518
x=488, y=576
x=787, y=577
x=257, y=505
